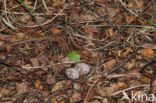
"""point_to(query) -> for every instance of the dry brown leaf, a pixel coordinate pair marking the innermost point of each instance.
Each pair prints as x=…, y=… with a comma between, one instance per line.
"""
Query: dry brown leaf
x=54, y=100
x=34, y=61
x=149, y=45
x=22, y=87
x=9, y=48
x=110, y=64
x=38, y=85
x=111, y=32
x=131, y=64
x=148, y=53
x=76, y=97
x=4, y=37
x=43, y=60
x=39, y=73
x=130, y=19
x=27, y=2
x=111, y=12
x=55, y=31
x=58, y=2
x=20, y=36
x=121, y=84
x=107, y=90
x=105, y=100
x=126, y=52
x=50, y=79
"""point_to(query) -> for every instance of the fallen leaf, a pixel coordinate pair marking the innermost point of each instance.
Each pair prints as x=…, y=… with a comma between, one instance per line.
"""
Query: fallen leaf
x=9, y=48
x=34, y=61
x=148, y=53
x=107, y=90
x=110, y=64
x=76, y=97
x=126, y=52
x=149, y=45
x=22, y=87
x=4, y=37
x=121, y=84
x=43, y=60
x=58, y=2
x=130, y=19
x=57, y=87
x=27, y=2
x=54, y=100
x=20, y=36
x=111, y=32
x=50, y=79
x=38, y=85
x=105, y=100
x=55, y=31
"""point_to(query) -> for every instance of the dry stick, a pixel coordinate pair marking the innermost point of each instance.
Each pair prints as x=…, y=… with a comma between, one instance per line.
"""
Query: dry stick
x=85, y=101
x=118, y=92
x=51, y=65
x=14, y=67
x=153, y=7
x=153, y=67
x=114, y=38
x=48, y=21
x=45, y=6
x=118, y=66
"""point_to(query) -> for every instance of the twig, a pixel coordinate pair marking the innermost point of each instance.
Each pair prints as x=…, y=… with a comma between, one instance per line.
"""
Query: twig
x=153, y=10
x=48, y=21
x=118, y=92
x=3, y=90
x=51, y=65
x=118, y=66
x=45, y=6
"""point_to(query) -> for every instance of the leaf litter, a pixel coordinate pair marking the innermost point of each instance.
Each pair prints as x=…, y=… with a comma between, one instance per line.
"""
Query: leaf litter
x=113, y=39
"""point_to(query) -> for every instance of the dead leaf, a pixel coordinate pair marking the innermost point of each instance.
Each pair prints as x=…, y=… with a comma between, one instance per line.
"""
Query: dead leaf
x=131, y=64
x=9, y=48
x=20, y=36
x=107, y=90
x=57, y=87
x=130, y=19
x=39, y=72
x=149, y=45
x=54, y=100
x=76, y=97
x=2, y=56
x=50, y=79
x=105, y=100
x=148, y=53
x=58, y=2
x=121, y=84
x=34, y=61
x=25, y=18
x=22, y=87
x=55, y=31
x=4, y=37
x=38, y=85
x=111, y=32
x=43, y=60
x=27, y=2
x=110, y=64
x=126, y=52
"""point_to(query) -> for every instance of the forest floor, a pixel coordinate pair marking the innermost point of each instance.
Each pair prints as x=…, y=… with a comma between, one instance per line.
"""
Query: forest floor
x=41, y=39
